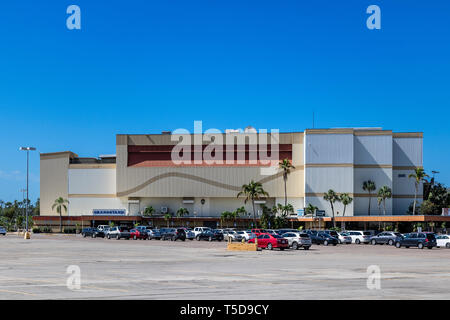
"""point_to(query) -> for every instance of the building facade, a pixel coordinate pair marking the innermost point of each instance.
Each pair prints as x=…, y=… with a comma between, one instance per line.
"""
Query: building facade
x=143, y=173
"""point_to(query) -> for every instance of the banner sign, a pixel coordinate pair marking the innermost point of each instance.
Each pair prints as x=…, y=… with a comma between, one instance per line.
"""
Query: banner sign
x=108, y=212
x=300, y=212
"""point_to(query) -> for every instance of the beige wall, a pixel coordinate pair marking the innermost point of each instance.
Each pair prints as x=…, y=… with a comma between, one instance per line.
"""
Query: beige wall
x=54, y=180
x=202, y=181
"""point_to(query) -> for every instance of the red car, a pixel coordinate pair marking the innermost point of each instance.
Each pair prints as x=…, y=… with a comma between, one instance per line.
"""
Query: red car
x=270, y=241
x=136, y=234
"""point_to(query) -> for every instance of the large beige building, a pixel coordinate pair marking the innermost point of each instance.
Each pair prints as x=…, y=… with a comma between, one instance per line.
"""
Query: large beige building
x=143, y=173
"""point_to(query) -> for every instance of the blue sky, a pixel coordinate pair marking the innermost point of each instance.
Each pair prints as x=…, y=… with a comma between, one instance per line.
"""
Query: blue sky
x=147, y=66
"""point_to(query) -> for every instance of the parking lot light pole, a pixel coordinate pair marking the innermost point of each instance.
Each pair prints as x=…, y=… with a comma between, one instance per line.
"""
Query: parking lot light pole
x=27, y=149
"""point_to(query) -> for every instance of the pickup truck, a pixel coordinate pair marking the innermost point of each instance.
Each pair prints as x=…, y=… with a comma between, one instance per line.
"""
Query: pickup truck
x=198, y=230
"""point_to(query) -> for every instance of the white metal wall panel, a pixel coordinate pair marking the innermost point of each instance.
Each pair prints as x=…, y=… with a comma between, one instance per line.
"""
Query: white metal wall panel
x=402, y=185
x=84, y=206
x=92, y=181
x=401, y=205
x=361, y=206
x=328, y=148
x=373, y=149
x=381, y=177
x=408, y=151
x=321, y=179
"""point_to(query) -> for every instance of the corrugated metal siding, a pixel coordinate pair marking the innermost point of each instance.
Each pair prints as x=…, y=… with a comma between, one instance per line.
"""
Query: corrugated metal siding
x=92, y=181
x=320, y=180
x=328, y=148
x=373, y=149
x=408, y=152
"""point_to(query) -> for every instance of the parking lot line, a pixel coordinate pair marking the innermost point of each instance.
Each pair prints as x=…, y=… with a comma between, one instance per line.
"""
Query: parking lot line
x=17, y=292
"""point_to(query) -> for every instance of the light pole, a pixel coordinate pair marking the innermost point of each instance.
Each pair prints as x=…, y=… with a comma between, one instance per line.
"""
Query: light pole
x=27, y=149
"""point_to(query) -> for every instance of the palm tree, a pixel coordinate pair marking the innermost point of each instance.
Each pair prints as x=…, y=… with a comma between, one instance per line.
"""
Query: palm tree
x=59, y=204
x=167, y=217
x=182, y=212
x=148, y=212
x=384, y=193
x=286, y=166
x=225, y=216
x=369, y=186
x=332, y=197
x=252, y=191
x=419, y=176
x=346, y=200
x=310, y=209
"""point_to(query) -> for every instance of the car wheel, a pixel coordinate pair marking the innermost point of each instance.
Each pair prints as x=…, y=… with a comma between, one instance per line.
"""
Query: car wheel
x=357, y=241
x=398, y=245
x=197, y=238
x=295, y=245
x=118, y=237
x=391, y=242
x=447, y=245
x=108, y=236
x=269, y=246
x=420, y=245
x=325, y=243
x=93, y=235
x=374, y=242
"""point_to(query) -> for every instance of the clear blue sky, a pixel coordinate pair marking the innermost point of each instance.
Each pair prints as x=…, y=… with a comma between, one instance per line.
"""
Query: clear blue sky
x=147, y=66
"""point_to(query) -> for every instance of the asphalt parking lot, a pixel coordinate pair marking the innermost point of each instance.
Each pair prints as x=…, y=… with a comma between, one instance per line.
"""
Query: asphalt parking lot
x=140, y=269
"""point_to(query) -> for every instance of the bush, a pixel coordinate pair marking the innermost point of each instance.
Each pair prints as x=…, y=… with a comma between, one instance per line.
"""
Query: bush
x=36, y=230
x=69, y=230
x=47, y=230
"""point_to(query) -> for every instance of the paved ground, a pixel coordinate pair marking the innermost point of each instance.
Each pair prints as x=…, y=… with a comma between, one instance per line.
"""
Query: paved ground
x=128, y=269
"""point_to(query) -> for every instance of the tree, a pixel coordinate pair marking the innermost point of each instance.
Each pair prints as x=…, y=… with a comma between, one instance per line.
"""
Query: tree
x=332, y=197
x=225, y=217
x=149, y=211
x=267, y=218
x=310, y=209
x=182, y=212
x=286, y=166
x=346, y=200
x=252, y=191
x=59, y=204
x=167, y=217
x=369, y=186
x=384, y=193
x=419, y=176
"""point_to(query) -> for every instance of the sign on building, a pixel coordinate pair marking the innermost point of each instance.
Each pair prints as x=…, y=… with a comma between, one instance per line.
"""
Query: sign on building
x=300, y=212
x=320, y=213
x=108, y=212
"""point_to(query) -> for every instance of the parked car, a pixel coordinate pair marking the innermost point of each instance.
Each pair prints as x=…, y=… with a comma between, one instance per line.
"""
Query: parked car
x=323, y=238
x=386, y=237
x=209, y=235
x=139, y=234
x=257, y=232
x=92, y=232
x=233, y=235
x=298, y=240
x=417, y=239
x=270, y=241
x=173, y=234
x=332, y=233
x=198, y=230
x=153, y=234
x=283, y=231
x=244, y=234
x=103, y=227
x=344, y=238
x=3, y=231
x=190, y=234
x=443, y=240
x=360, y=236
x=142, y=228
x=118, y=233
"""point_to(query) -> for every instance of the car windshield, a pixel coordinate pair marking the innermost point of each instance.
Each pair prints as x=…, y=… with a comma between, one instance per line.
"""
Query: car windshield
x=304, y=235
x=276, y=236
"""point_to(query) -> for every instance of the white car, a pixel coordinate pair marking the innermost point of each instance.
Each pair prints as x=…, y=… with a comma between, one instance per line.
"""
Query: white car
x=245, y=234
x=298, y=240
x=443, y=241
x=198, y=230
x=233, y=235
x=344, y=238
x=359, y=236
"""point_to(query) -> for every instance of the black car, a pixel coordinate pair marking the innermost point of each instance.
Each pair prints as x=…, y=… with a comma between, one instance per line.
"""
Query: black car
x=417, y=239
x=92, y=232
x=209, y=235
x=173, y=234
x=323, y=238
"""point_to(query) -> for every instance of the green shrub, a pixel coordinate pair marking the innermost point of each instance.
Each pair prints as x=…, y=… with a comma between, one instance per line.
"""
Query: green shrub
x=69, y=230
x=36, y=230
x=46, y=230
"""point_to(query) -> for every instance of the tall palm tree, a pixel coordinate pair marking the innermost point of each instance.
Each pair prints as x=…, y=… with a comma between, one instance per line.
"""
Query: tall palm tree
x=384, y=193
x=252, y=191
x=419, y=176
x=148, y=212
x=346, y=200
x=332, y=197
x=182, y=212
x=59, y=204
x=167, y=217
x=369, y=186
x=286, y=166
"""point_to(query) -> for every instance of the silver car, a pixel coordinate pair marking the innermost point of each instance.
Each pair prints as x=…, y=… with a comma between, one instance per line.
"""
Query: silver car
x=3, y=231
x=298, y=240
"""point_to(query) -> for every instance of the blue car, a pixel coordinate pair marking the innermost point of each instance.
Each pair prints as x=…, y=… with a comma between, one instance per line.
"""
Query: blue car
x=3, y=231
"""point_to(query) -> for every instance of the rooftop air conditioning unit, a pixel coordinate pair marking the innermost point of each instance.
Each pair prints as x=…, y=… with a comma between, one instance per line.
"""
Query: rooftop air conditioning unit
x=163, y=209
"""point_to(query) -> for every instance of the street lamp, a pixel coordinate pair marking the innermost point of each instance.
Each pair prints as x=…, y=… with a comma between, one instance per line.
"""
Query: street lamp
x=27, y=149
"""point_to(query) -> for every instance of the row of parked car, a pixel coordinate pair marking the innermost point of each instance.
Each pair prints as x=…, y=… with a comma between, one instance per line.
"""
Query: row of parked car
x=270, y=238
